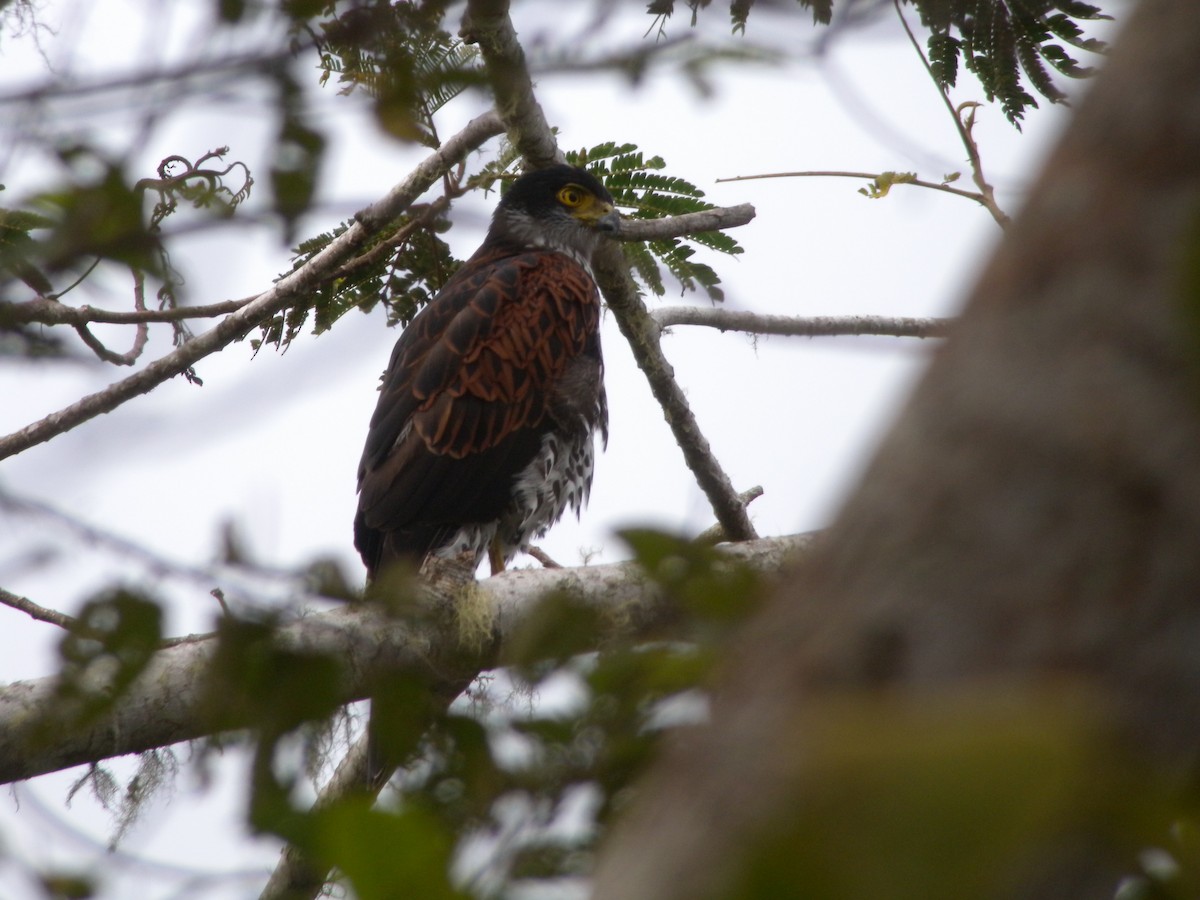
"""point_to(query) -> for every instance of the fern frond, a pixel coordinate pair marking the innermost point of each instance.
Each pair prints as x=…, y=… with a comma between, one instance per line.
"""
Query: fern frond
x=1007, y=45
x=640, y=188
x=404, y=278
x=591, y=158
x=1062, y=27
x=719, y=241
x=642, y=261
x=1080, y=10
x=943, y=51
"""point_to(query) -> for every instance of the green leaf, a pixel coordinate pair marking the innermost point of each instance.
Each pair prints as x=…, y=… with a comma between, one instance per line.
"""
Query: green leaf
x=403, y=267
x=1005, y=44
x=383, y=854
x=556, y=629
x=882, y=184
x=943, y=51
x=402, y=57
x=298, y=154
x=713, y=588
x=231, y=11
x=472, y=779
x=95, y=216
x=255, y=679
x=948, y=797
x=112, y=640
x=19, y=250
x=61, y=885
x=639, y=186
x=402, y=710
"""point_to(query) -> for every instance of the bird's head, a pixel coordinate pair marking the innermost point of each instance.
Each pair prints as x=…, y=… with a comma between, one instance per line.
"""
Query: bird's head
x=561, y=207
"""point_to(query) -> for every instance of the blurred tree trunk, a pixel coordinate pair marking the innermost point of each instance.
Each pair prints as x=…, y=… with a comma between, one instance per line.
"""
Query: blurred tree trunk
x=1022, y=556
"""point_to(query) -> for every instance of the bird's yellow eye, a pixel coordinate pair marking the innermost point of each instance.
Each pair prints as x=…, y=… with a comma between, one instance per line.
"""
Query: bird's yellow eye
x=571, y=196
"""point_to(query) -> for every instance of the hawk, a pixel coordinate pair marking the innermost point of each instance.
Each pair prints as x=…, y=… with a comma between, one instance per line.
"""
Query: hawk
x=484, y=432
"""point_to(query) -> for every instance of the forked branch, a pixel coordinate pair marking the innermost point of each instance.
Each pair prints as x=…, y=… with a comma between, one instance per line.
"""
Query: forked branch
x=487, y=23
x=282, y=294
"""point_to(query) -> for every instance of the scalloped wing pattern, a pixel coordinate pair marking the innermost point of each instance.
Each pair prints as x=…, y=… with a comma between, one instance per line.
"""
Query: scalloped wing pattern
x=484, y=392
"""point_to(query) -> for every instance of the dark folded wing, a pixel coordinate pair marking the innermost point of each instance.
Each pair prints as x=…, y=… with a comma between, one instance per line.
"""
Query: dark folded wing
x=466, y=397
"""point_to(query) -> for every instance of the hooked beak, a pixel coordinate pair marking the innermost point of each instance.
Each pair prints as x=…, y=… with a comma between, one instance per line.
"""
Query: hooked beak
x=602, y=217
x=610, y=222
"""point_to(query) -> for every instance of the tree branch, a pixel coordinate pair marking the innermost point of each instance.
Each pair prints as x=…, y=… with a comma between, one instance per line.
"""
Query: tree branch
x=293, y=877
x=34, y=611
x=154, y=563
x=70, y=623
x=715, y=534
x=45, y=311
x=487, y=23
x=800, y=326
x=870, y=176
x=388, y=246
x=286, y=291
x=642, y=333
x=716, y=219
x=987, y=194
x=163, y=705
x=141, y=335
x=230, y=67
x=1019, y=557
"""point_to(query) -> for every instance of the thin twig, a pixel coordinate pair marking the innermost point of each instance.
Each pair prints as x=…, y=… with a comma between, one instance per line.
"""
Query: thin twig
x=95, y=537
x=77, y=282
x=72, y=624
x=986, y=191
x=40, y=613
x=45, y=311
x=141, y=334
x=388, y=246
x=230, y=67
x=870, y=176
x=801, y=326
x=487, y=23
x=642, y=333
x=292, y=287
x=157, y=565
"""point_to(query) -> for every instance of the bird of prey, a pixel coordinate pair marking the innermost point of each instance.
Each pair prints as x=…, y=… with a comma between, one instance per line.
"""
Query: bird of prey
x=484, y=430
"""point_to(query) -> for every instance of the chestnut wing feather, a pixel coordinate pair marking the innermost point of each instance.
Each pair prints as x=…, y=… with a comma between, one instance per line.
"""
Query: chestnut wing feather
x=467, y=397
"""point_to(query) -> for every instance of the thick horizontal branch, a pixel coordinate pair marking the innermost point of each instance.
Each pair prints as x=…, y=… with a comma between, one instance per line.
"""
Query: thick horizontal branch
x=714, y=219
x=801, y=326
x=164, y=704
x=284, y=293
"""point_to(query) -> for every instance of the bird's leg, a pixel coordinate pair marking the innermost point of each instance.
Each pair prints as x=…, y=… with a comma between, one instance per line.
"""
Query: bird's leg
x=496, y=556
x=543, y=557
